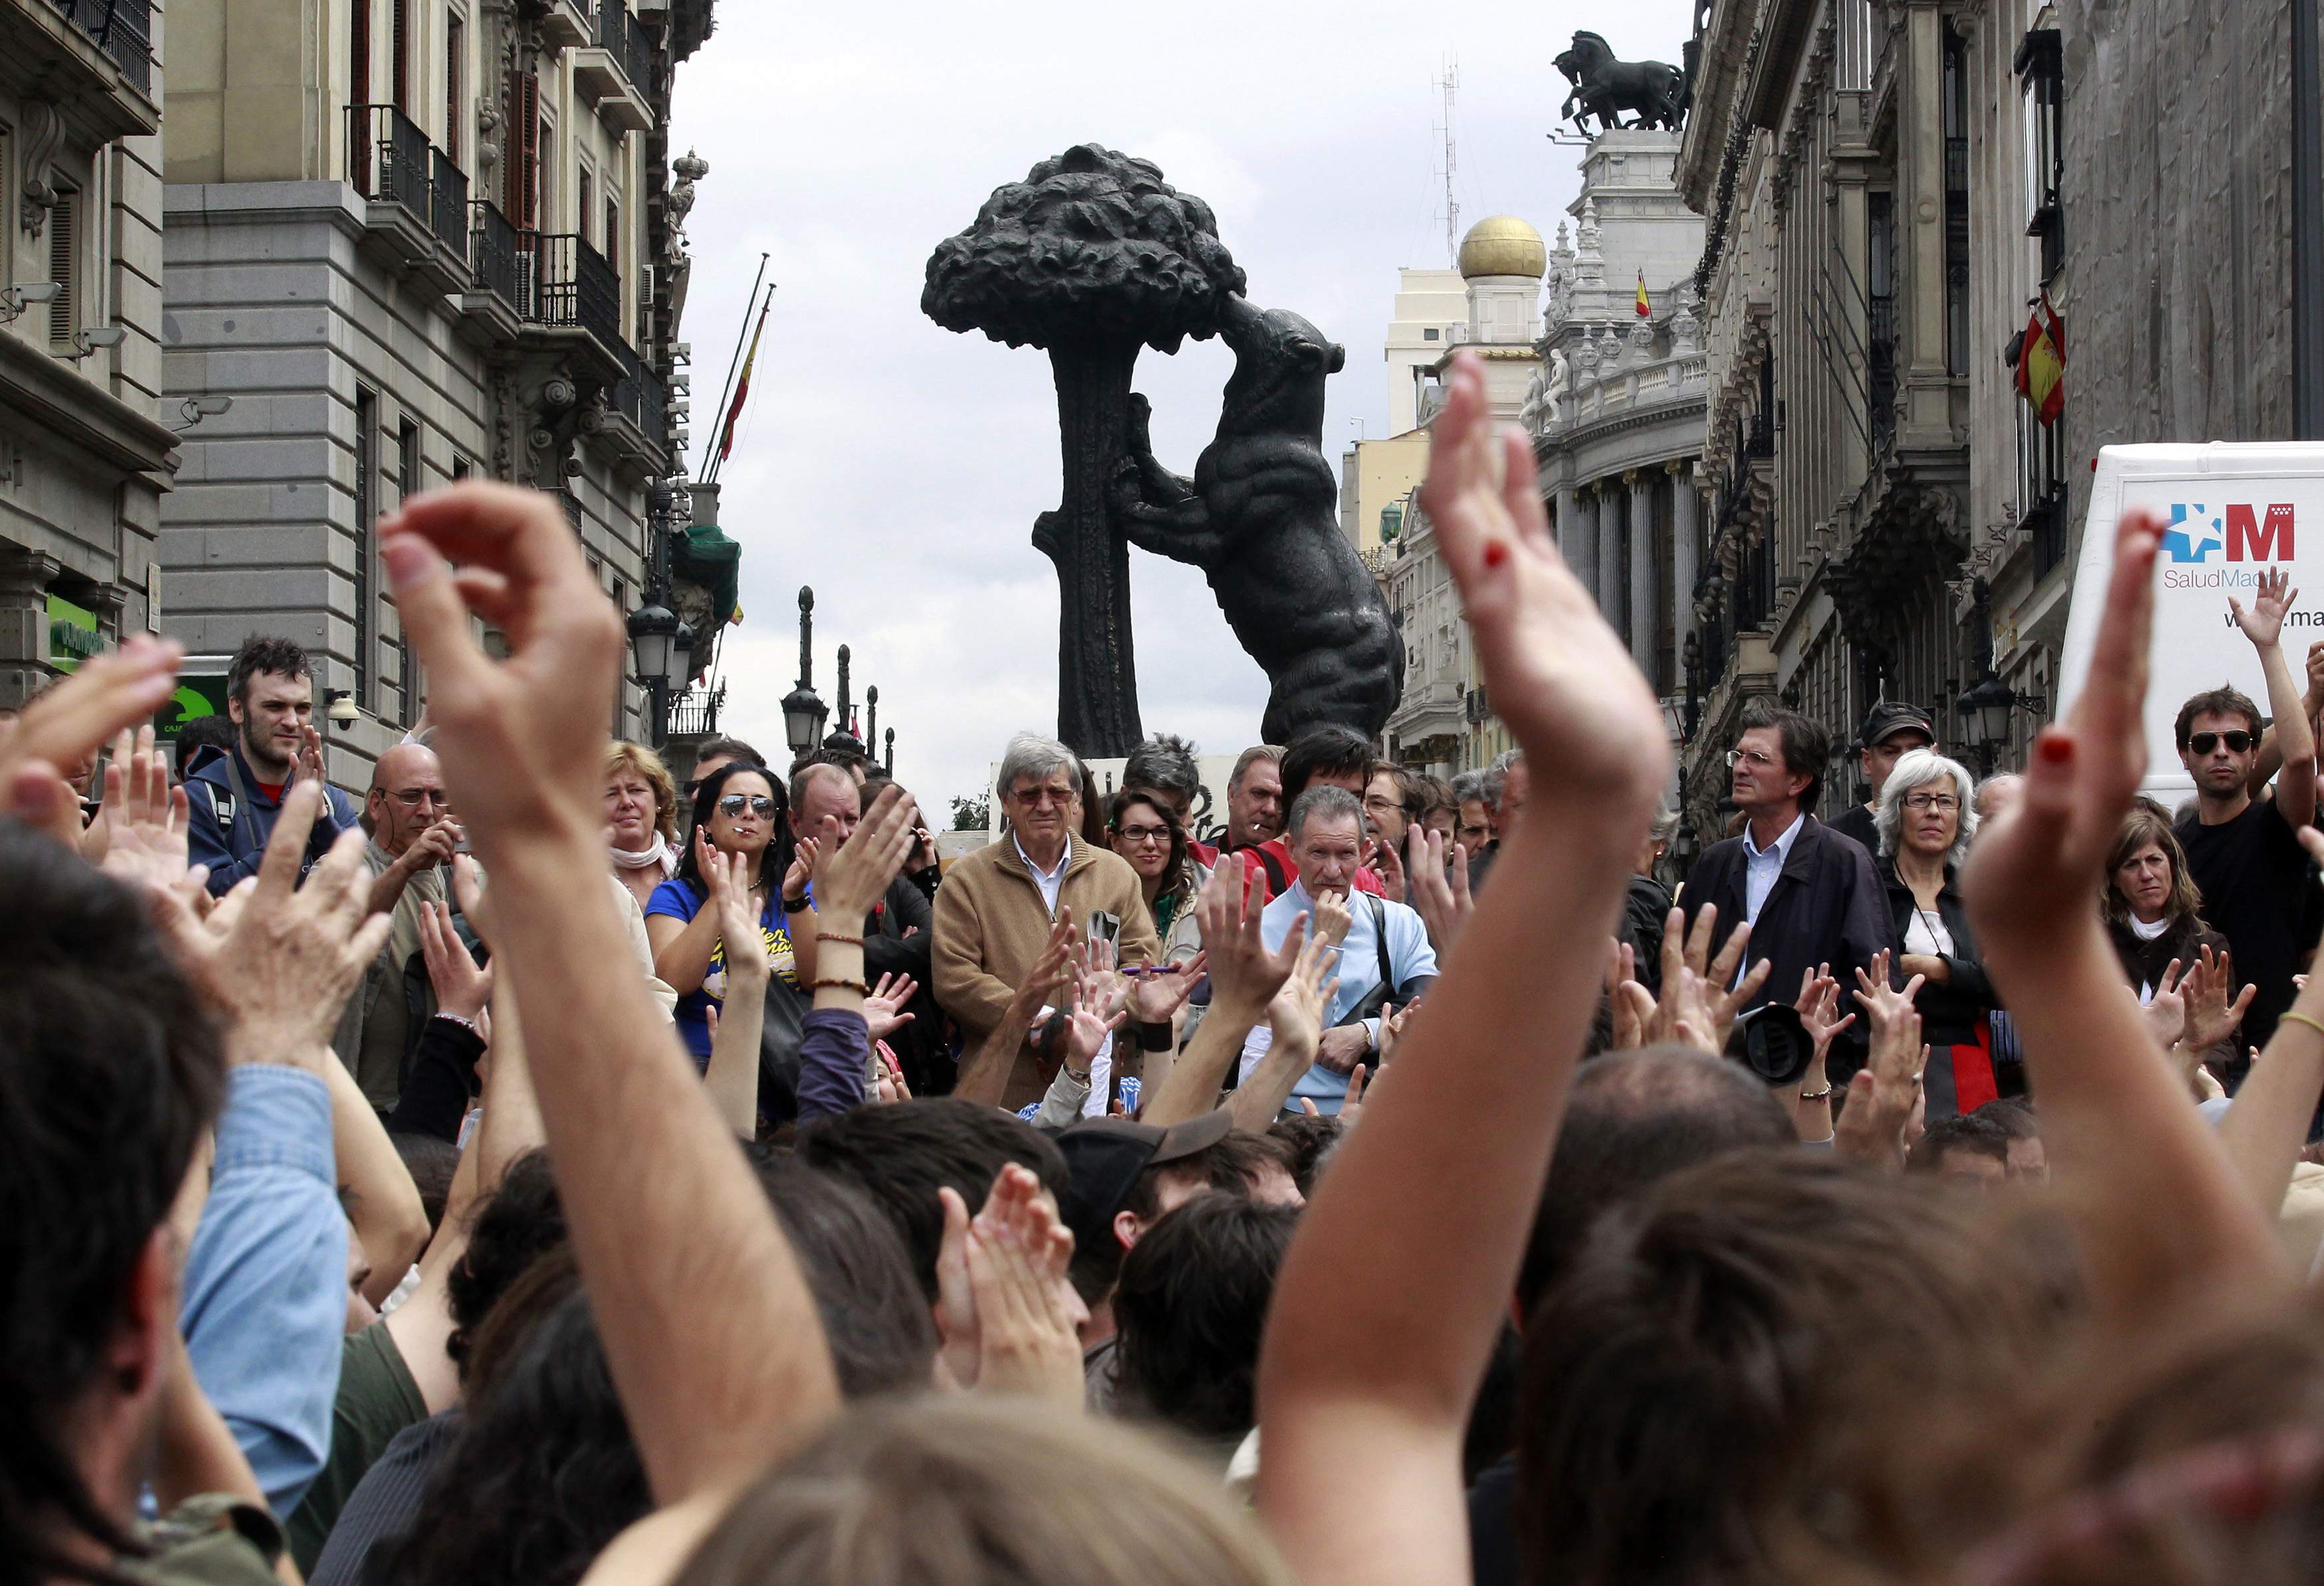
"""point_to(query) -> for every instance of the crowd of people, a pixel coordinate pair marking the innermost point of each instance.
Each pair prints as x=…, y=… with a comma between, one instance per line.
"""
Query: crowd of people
x=545, y=1171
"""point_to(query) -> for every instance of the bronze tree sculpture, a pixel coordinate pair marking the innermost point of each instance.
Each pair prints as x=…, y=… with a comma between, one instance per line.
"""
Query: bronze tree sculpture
x=1091, y=257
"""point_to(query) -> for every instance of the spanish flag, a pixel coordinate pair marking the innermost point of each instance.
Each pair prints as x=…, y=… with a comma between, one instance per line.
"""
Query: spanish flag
x=2042, y=363
x=1645, y=309
x=743, y=387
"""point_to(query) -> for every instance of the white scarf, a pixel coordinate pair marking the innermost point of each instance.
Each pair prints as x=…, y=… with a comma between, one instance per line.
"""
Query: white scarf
x=658, y=856
x=2147, y=932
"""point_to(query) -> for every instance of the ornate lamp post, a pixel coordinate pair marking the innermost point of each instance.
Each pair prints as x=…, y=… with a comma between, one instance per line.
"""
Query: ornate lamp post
x=872, y=717
x=891, y=762
x=661, y=646
x=803, y=709
x=842, y=740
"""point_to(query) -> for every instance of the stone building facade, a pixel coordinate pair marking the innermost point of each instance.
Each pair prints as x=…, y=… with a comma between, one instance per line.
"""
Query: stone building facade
x=86, y=458
x=413, y=241
x=1889, y=186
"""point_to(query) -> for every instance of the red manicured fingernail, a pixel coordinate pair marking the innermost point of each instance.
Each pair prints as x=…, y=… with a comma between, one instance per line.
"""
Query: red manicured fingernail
x=2055, y=748
x=1496, y=553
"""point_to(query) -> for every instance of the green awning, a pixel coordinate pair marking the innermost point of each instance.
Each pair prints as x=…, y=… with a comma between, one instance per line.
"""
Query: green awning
x=703, y=555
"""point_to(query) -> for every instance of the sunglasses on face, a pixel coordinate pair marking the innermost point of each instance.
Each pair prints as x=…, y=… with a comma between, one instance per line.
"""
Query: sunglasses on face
x=733, y=805
x=2204, y=742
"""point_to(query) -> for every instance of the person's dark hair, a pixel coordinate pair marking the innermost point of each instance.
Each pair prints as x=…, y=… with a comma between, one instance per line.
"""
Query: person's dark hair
x=883, y=1339
x=1705, y=1382
x=968, y=1489
x=543, y=1471
x=1093, y=830
x=1191, y=1307
x=110, y=1070
x=2215, y=702
x=2016, y=1115
x=1231, y=1164
x=1306, y=1141
x=776, y=860
x=1633, y=1119
x=2146, y=824
x=431, y=1161
x=523, y=1220
x=1970, y=1133
x=900, y=1156
x=1166, y=763
x=1324, y=752
x=1178, y=877
x=259, y=654
x=730, y=747
x=201, y=738
x=1807, y=746
x=1424, y=795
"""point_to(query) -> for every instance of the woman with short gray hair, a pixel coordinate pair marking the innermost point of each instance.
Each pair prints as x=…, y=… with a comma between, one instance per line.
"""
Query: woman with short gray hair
x=1927, y=816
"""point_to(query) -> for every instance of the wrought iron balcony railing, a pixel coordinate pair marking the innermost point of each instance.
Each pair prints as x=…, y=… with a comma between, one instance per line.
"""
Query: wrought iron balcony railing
x=492, y=253
x=123, y=29
x=391, y=161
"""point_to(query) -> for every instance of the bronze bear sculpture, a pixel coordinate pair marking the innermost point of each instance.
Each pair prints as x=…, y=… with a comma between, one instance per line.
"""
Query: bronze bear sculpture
x=1260, y=518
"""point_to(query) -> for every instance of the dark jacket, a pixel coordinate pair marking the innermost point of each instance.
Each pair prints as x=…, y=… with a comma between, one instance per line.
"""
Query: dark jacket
x=1948, y=1011
x=1644, y=911
x=2145, y=963
x=1825, y=908
x=919, y=1046
x=228, y=820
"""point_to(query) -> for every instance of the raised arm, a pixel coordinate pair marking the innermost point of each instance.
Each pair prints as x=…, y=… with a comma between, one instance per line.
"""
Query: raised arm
x=2295, y=737
x=1413, y=1241
x=2269, y=760
x=663, y=1207
x=2152, y=1196
x=2266, y=1126
x=1244, y=979
x=732, y=1077
x=381, y=1202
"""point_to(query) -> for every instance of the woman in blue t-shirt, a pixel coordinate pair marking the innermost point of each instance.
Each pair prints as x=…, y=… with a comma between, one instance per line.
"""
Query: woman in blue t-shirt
x=739, y=808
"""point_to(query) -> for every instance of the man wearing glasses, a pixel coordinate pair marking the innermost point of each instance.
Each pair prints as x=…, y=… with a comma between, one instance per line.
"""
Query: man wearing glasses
x=1809, y=893
x=412, y=838
x=2245, y=854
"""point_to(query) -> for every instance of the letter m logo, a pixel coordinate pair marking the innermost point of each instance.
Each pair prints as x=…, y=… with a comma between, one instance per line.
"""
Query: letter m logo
x=2252, y=541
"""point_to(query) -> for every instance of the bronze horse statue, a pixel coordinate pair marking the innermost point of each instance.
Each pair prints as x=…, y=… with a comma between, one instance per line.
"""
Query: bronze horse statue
x=1605, y=88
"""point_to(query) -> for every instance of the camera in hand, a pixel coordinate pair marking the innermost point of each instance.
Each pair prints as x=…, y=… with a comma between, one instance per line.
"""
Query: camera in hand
x=1772, y=1042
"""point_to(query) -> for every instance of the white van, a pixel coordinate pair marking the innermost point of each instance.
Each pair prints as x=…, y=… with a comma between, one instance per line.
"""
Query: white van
x=2233, y=510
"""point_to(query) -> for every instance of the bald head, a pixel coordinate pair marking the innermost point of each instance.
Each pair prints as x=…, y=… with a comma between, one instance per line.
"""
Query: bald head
x=406, y=796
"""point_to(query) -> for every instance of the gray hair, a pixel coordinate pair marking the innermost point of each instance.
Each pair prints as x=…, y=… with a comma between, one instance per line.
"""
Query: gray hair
x=1031, y=755
x=1323, y=801
x=1165, y=763
x=1918, y=768
x=1497, y=776
x=1468, y=785
x=1666, y=823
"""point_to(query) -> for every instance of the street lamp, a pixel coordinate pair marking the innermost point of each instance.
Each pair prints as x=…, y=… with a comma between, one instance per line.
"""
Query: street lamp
x=803, y=711
x=843, y=738
x=681, y=661
x=890, y=764
x=1985, y=709
x=871, y=716
x=653, y=635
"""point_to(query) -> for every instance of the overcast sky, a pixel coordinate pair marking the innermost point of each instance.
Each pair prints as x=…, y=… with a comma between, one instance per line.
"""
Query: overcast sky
x=898, y=468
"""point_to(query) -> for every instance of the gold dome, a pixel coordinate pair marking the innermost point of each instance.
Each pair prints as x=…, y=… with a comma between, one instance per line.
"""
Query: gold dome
x=1502, y=244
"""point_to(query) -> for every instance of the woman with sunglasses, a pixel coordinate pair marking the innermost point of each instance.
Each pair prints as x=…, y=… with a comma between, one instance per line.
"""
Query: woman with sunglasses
x=740, y=809
x=1147, y=834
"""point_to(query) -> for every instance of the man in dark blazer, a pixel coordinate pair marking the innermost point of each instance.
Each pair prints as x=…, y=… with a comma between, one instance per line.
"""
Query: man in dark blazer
x=1809, y=893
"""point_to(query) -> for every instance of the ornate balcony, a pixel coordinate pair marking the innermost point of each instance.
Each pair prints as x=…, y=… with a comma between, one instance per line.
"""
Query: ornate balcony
x=93, y=56
x=616, y=72
x=415, y=197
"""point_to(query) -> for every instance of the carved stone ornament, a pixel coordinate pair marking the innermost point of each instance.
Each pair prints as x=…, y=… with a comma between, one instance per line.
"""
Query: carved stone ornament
x=42, y=134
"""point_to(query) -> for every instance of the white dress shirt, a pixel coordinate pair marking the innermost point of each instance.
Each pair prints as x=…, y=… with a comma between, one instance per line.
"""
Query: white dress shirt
x=1761, y=866
x=1048, y=881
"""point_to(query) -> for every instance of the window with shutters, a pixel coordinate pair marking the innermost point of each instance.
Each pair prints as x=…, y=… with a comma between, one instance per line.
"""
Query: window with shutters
x=359, y=52
x=407, y=486
x=456, y=84
x=523, y=191
x=612, y=248
x=64, y=266
x=585, y=202
x=399, y=58
x=366, y=514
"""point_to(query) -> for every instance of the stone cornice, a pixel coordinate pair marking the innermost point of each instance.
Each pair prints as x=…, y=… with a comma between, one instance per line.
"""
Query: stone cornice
x=54, y=396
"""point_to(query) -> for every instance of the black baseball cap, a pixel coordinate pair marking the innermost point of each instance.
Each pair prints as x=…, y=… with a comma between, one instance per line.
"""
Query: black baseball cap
x=1104, y=1156
x=1885, y=720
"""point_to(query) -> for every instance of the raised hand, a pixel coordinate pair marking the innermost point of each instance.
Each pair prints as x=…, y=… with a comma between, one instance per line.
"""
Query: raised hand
x=2166, y=1010
x=1297, y=1014
x=145, y=820
x=2263, y=624
x=1882, y=1003
x=1885, y=1097
x=1441, y=896
x=1389, y=864
x=71, y=722
x=727, y=880
x=1561, y=677
x=1631, y=1006
x=309, y=766
x=278, y=966
x=1818, y=1006
x=2214, y=1009
x=854, y=875
x=1002, y=1309
x=1333, y=915
x=1157, y=994
x=884, y=1010
x=1243, y=974
x=464, y=988
x=468, y=891
x=802, y=867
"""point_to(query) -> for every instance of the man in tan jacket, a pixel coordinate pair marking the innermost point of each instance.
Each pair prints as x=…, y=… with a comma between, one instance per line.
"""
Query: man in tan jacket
x=994, y=911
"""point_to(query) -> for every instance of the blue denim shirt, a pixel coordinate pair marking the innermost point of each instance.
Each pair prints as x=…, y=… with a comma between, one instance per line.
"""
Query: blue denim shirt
x=265, y=1302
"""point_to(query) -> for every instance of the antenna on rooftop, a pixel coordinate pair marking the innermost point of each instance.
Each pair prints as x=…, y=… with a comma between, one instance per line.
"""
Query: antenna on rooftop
x=1448, y=82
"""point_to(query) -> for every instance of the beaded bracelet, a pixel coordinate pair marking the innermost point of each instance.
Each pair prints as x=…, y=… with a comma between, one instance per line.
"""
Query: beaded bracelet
x=838, y=936
x=838, y=983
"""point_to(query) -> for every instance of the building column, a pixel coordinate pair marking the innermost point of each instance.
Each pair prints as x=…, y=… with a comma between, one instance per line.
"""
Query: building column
x=1613, y=599
x=1577, y=534
x=1643, y=569
x=24, y=580
x=1684, y=569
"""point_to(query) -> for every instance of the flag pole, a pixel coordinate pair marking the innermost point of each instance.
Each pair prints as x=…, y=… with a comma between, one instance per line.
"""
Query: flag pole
x=742, y=388
x=735, y=362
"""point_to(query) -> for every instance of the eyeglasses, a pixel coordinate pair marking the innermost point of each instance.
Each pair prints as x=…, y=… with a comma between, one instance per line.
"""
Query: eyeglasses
x=413, y=797
x=1380, y=805
x=1737, y=756
x=1043, y=797
x=1922, y=803
x=1143, y=834
x=733, y=805
x=2204, y=742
